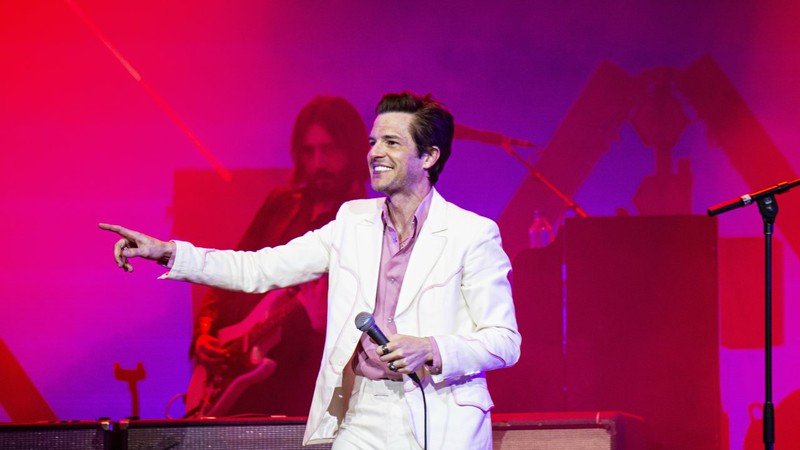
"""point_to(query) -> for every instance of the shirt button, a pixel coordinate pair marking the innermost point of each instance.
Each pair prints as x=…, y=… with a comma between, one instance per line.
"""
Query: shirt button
x=392, y=279
x=390, y=319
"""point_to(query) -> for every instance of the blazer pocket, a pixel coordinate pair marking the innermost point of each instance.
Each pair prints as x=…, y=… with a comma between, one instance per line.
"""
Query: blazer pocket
x=473, y=393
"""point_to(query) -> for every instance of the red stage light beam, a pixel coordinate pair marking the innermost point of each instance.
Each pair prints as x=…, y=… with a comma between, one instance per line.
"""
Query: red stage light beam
x=204, y=151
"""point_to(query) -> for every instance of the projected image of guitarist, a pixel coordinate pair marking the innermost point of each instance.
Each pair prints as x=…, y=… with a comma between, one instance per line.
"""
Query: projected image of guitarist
x=259, y=354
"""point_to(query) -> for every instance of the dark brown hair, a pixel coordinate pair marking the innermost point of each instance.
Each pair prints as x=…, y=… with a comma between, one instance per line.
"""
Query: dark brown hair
x=432, y=125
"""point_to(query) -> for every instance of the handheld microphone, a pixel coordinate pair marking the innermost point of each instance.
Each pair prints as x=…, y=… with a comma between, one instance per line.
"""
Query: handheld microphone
x=366, y=323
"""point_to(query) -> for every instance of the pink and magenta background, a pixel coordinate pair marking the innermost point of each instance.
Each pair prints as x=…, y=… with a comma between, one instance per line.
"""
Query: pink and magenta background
x=82, y=141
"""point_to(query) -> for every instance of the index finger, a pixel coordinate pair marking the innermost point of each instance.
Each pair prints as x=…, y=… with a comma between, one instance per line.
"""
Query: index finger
x=122, y=231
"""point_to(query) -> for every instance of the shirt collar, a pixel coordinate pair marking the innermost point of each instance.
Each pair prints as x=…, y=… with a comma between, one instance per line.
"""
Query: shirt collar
x=420, y=215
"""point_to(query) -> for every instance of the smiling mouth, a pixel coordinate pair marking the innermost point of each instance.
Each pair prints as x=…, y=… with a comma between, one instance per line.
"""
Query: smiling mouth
x=381, y=169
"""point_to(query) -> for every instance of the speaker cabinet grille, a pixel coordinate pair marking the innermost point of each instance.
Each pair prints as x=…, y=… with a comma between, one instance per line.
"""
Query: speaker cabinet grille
x=61, y=436
x=219, y=434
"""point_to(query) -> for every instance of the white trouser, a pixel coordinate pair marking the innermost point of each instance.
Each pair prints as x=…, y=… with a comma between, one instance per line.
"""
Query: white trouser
x=377, y=418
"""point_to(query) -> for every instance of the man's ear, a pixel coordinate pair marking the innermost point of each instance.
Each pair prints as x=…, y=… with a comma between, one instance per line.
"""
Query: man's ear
x=430, y=156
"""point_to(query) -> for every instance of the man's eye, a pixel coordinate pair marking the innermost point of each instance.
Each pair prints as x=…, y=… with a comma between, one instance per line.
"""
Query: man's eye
x=391, y=143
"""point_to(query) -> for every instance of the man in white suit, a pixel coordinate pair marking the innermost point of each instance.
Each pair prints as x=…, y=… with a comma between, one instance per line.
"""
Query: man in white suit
x=434, y=275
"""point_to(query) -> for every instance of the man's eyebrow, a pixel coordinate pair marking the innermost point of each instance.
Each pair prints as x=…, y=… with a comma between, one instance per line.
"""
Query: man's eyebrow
x=385, y=137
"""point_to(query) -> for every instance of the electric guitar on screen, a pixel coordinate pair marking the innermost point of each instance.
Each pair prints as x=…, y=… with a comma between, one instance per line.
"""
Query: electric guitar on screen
x=214, y=390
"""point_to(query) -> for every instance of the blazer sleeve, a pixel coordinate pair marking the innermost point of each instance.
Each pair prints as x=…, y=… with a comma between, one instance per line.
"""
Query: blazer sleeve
x=302, y=259
x=494, y=341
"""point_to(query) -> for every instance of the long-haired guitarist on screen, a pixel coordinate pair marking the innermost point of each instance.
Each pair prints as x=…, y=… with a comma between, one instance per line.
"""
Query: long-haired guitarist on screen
x=259, y=354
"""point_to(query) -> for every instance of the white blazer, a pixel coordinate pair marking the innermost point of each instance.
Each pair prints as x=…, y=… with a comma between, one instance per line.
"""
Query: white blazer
x=456, y=289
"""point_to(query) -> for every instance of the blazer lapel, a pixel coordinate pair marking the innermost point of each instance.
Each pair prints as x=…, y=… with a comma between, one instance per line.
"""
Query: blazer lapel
x=427, y=250
x=369, y=238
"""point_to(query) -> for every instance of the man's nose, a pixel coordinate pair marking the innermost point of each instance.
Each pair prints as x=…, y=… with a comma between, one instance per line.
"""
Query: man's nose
x=318, y=157
x=375, y=150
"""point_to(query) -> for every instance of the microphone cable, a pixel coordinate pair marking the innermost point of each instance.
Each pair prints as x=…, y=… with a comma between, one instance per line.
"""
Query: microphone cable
x=424, y=415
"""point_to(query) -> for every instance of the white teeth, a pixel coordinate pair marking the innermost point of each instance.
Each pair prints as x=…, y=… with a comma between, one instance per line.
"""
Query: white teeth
x=381, y=168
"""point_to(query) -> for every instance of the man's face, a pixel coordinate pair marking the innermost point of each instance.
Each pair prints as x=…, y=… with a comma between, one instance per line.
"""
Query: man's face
x=394, y=165
x=324, y=163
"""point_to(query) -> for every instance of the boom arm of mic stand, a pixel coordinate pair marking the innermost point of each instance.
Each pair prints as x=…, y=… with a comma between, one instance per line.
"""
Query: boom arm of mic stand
x=506, y=145
x=745, y=200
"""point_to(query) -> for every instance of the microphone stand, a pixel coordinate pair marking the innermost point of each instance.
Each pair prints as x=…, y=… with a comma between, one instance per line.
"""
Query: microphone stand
x=768, y=207
x=506, y=145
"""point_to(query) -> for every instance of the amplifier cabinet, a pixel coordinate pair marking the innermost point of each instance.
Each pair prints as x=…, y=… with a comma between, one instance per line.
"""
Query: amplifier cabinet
x=602, y=430
x=519, y=431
